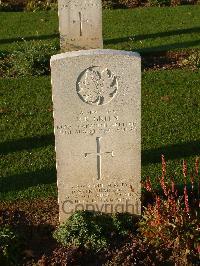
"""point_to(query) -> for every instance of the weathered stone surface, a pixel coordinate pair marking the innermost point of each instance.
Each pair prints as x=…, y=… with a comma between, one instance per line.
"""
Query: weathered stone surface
x=80, y=24
x=97, y=121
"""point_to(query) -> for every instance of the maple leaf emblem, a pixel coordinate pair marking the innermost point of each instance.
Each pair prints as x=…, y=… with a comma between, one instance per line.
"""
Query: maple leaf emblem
x=97, y=87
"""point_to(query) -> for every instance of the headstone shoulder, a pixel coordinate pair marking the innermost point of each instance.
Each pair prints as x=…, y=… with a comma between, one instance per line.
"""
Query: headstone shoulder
x=93, y=52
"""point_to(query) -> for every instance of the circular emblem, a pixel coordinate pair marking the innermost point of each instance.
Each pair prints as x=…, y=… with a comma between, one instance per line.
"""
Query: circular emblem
x=97, y=86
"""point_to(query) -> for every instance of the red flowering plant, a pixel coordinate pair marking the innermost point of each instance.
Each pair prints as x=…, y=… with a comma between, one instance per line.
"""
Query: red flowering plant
x=171, y=224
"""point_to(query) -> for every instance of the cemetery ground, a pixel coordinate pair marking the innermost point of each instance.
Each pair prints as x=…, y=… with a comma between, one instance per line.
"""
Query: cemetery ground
x=168, y=40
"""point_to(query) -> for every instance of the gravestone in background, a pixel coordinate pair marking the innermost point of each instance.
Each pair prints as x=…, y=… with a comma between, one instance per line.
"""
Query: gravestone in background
x=80, y=24
x=97, y=117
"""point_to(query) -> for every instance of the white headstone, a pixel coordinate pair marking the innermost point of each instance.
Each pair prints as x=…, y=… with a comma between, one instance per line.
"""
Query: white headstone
x=80, y=24
x=97, y=123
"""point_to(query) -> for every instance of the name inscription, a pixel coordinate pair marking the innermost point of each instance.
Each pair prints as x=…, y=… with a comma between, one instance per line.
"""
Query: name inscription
x=93, y=123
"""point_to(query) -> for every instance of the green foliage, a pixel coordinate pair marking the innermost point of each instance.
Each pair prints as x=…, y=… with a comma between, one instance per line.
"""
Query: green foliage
x=107, y=4
x=5, y=7
x=110, y=4
x=193, y=60
x=91, y=230
x=5, y=65
x=158, y=3
x=123, y=223
x=176, y=233
x=31, y=59
x=170, y=225
x=12, y=5
x=10, y=247
x=168, y=231
x=35, y=5
x=175, y=3
x=43, y=5
x=129, y=3
x=28, y=5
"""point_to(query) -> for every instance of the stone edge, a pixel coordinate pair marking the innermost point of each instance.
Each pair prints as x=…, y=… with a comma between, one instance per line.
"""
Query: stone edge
x=93, y=52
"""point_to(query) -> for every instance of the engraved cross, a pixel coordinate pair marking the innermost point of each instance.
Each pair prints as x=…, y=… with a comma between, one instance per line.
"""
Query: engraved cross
x=99, y=155
x=81, y=21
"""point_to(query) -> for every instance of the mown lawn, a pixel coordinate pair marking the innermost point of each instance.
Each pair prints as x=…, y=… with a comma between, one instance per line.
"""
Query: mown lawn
x=170, y=99
x=142, y=29
x=152, y=29
x=170, y=126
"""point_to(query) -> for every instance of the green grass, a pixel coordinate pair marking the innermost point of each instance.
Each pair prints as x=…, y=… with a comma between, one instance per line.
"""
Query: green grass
x=142, y=29
x=27, y=141
x=170, y=126
x=152, y=29
x=170, y=121
x=27, y=25
x=170, y=99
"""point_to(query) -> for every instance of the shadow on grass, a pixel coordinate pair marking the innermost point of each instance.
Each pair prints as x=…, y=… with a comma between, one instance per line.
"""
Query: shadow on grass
x=167, y=47
x=174, y=151
x=26, y=180
x=26, y=144
x=153, y=35
x=171, y=152
x=29, y=38
x=47, y=176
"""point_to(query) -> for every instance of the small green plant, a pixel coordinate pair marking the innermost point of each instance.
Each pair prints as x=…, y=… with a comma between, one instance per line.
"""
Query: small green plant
x=176, y=2
x=10, y=246
x=129, y=3
x=193, y=60
x=5, y=65
x=35, y=5
x=158, y=3
x=5, y=7
x=171, y=225
x=168, y=231
x=107, y=4
x=93, y=231
x=9, y=5
x=32, y=58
